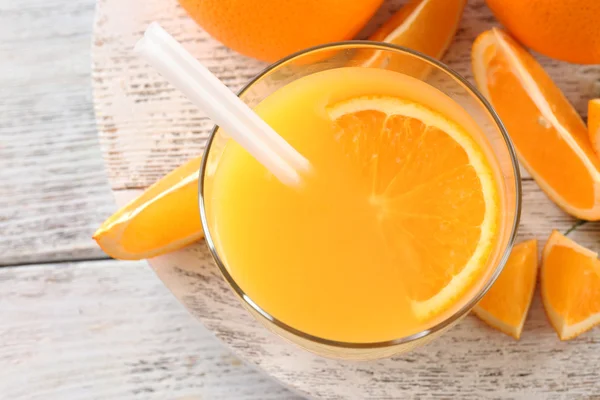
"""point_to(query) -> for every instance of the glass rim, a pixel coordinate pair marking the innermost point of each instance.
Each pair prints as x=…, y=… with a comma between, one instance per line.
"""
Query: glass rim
x=415, y=336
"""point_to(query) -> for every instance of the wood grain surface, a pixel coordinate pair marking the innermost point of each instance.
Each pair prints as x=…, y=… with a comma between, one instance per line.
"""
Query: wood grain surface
x=148, y=128
x=111, y=330
x=54, y=190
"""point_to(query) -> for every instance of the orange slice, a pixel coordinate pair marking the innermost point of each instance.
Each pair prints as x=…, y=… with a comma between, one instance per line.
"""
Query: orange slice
x=427, y=26
x=550, y=138
x=164, y=218
x=570, y=286
x=594, y=124
x=440, y=209
x=506, y=304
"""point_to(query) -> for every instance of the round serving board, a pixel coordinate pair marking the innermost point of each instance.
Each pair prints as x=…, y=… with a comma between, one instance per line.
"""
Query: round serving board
x=147, y=128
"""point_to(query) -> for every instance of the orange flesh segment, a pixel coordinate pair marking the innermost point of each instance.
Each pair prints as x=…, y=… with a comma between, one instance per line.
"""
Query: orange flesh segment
x=446, y=238
x=550, y=137
x=506, y=304
x=163, y=219
x=427, y=26
x=421, y=219
x=570, y=286
x=594, y=124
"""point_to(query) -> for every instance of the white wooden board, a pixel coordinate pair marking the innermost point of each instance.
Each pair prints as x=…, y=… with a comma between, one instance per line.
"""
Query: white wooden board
x=148, y=128
x=53, y=190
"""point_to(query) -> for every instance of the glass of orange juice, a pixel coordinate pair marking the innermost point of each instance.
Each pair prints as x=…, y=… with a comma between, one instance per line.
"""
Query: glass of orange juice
x=404, y=222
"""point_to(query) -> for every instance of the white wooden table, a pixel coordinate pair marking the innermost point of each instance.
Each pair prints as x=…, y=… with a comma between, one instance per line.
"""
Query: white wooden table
x=75, y=325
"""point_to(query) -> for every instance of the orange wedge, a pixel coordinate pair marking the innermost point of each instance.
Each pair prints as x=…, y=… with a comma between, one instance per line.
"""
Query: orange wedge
x=594, y=124
x=550, y=138
x=164, y=218
x=506, y=304
x=570, y=286
x=439, y=211
x=427, y=26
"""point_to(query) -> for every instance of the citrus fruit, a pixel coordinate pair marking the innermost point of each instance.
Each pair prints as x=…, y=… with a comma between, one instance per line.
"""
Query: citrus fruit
x=271, y=29
x=594, y=124
x=550, y=138
x=164, y=218
x=439, y=209
x=505, y=305
x=427, y=26
x=570, y=286
x=563, y=29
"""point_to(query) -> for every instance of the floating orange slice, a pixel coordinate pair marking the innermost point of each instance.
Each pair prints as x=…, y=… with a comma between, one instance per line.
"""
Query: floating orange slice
x=506, y=304
x=439, y=211
x=594, y=124
x=164, y=218
x=570, y=286
x=427, y=26
x=550, y=138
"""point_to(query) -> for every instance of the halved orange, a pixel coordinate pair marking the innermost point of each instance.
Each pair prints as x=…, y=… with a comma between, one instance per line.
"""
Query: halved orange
x=506, y=304
x=427, y=26
x=593, y=123
x=550, y=137
x=164, y=218
x=570, y=286
x=438, y=210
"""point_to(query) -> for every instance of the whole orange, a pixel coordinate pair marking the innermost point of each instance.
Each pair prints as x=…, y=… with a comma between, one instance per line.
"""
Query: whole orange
x=271, y=29
x=568, y=30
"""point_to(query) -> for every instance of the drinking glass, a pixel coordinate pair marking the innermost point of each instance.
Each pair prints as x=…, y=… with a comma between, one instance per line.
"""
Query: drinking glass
x=386, y=56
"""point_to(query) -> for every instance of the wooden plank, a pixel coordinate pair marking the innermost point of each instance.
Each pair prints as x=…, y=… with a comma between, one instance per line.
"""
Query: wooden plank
x=111, y=330
x=54, y=190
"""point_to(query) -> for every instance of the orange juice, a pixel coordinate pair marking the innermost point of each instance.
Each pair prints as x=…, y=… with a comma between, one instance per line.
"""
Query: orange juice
x=396, y=225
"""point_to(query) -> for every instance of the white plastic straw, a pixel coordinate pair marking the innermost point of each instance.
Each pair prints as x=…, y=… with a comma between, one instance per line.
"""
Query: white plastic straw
x=221, y=105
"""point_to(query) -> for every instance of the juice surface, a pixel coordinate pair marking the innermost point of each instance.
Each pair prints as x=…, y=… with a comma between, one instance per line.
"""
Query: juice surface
x=317, y=257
